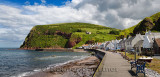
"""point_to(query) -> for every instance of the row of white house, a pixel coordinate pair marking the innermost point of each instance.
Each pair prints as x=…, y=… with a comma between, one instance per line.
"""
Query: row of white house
x=148, y=41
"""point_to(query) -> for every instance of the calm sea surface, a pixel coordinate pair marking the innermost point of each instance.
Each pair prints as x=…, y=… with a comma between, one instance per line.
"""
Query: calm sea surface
x=17, y=63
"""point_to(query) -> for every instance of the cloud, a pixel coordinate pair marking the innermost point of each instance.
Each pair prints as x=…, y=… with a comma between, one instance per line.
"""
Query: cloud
x=27, y=3
x=16, y=22
x=43, y=1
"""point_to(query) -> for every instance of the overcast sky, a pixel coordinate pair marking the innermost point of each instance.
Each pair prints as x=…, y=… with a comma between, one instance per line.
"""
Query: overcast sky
x=17, y=17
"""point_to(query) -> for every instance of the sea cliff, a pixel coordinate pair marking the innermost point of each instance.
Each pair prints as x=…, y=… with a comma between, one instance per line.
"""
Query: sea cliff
x=67, y=35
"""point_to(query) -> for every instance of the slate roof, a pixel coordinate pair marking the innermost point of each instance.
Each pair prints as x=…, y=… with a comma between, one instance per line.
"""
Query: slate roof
x=130, y=39
x=107, y=43
x=139, y=43
x=121, y=41
x=124, y=40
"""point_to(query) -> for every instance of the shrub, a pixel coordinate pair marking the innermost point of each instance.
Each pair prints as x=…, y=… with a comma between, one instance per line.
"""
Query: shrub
x=114, y=32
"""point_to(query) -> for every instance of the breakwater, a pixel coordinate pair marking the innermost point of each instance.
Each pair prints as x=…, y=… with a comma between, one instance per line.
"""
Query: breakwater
x=98, y=53
x=101, y=55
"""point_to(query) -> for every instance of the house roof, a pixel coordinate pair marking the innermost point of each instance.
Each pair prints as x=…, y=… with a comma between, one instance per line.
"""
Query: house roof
x=99, y=43
x=124, y=40
x=139, y=43
x=121, y=41
x=153, y=35
x=140, y=36
x=158, y=41
x=107, y=43
x=130, y=39
x=85, y=45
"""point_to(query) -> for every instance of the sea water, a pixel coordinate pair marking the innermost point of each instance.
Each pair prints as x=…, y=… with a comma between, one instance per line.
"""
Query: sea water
x=19, y=63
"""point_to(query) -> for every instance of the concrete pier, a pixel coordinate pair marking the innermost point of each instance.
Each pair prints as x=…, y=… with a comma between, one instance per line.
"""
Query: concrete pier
x=113, y=65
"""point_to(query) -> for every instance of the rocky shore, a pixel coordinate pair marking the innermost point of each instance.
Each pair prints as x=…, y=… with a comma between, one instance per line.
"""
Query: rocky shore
x=81, y=68
x=151, y=73
x=55, y=49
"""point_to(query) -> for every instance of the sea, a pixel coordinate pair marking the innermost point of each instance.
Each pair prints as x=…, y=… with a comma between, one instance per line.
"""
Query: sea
x=19, y=63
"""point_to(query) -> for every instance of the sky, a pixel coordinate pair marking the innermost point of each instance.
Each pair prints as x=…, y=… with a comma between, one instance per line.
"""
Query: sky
x=17, y=17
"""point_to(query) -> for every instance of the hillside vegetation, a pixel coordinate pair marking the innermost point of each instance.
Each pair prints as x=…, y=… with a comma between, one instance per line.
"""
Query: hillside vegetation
x=149, y=23
x=67, y=35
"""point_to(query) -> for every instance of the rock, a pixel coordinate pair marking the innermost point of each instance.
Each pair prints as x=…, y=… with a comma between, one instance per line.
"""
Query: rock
x=73, y=42
x=90, y=63
x=92, y=67
x=63, y=34
x=151, y=73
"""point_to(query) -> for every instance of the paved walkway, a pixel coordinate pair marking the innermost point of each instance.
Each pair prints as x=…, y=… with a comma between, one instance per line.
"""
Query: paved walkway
x=157, y=57
x=115, y=66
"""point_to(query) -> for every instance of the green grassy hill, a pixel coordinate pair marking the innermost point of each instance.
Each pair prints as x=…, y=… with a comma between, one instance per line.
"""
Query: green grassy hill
x=67, y=35
x=149, y=23
x=72, y=35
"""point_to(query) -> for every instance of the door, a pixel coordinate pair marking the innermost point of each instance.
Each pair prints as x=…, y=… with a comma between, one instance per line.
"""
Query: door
x=158, y=52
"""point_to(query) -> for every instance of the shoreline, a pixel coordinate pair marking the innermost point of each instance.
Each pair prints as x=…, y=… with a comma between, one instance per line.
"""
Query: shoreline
x=55, y=49
x=77, y=68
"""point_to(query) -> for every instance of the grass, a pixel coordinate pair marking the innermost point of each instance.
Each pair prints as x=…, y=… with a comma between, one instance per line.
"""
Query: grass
x=43, y=36
x=131, y=56
x=154, y=65
x=128, y=30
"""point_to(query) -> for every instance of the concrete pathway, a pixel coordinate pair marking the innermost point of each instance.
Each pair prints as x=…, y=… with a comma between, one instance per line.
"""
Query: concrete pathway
x=115, y=66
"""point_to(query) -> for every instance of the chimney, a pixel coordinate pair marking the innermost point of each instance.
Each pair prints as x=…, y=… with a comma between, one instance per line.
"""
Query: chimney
x=149, y=32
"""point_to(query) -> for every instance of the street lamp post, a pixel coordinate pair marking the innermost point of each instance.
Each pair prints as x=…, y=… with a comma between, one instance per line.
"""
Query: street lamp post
x=125, y=53
x=135, y=55
x=151, y=51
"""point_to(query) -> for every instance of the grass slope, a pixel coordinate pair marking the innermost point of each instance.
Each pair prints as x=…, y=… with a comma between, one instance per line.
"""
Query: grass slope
x=43, y=36
x=127, y=31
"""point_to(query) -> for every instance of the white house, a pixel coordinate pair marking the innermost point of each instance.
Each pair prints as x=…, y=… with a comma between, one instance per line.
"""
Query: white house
x=115, y=43
x=128, y=43
x=102, y=46
x=118, y=44
x=139, y=46
x=149, y=39
x=110, y=46
x=88, y=33
x=131, y=41
x=106, y=45
x=121, y=43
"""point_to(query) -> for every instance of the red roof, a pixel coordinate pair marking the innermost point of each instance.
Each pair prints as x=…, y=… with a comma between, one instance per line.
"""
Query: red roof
x=99, y=43
x=158, y=41
x=85, y=45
